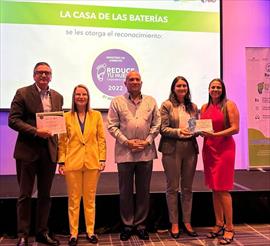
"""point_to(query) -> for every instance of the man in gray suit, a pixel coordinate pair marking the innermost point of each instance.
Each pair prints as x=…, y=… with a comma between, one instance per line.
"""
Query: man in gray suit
x=35, y=152
x=134, y=121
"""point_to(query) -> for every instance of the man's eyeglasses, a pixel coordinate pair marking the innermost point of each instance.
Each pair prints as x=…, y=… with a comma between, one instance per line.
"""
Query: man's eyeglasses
x=47, y=73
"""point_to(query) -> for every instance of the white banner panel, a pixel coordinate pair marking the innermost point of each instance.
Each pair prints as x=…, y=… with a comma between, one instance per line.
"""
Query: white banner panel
x=258, y=95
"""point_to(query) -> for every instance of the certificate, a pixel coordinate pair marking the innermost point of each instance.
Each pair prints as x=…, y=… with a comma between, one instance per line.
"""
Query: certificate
x=53, y=121
x=204, y=125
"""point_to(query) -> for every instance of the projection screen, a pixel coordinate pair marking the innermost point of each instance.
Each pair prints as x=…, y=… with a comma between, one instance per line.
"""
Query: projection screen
x=97, y=42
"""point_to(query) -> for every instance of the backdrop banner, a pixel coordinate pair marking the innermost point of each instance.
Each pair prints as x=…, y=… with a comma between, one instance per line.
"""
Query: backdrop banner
x=258, y=96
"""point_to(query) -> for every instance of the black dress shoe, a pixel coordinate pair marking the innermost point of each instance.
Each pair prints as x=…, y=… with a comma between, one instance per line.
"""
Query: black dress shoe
x=190, y=233
x=125, y=235
x=72, y=241
x=23, y=241
x=92, y=239
x=46, y=239
x=174, y=235
x=142, y=234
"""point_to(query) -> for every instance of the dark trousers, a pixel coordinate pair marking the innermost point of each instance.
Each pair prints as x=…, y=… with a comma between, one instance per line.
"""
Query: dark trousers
x=44, y=170
x=134, y=215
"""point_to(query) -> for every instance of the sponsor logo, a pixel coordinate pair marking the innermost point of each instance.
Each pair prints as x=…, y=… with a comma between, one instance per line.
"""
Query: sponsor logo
x=110, y=69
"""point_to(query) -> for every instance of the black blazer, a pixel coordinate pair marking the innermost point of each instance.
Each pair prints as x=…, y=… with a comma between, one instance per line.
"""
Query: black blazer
x=22, y=118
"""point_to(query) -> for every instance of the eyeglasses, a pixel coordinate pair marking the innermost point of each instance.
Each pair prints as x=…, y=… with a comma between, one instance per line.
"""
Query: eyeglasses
x=47, y=73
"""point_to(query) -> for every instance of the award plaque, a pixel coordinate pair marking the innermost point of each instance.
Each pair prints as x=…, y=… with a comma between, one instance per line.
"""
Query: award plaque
x=204, y=125
x=52, y=121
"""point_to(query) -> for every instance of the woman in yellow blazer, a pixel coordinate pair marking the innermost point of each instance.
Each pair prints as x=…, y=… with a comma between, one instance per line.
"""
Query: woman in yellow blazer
x=82, y=154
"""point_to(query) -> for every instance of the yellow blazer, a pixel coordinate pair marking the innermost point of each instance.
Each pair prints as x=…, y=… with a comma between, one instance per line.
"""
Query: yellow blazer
x=88, y=149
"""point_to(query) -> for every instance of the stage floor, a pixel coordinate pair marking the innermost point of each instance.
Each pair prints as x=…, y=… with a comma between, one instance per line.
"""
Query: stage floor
x=246, y=234
x=251, y=205
x=108, y=184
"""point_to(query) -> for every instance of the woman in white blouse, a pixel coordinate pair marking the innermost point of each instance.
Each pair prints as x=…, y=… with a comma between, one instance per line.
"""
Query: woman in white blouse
x=179, y=153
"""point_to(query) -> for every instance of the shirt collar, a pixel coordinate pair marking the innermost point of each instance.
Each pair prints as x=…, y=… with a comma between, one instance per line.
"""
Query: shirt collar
x=43, y=92
x=129, y=97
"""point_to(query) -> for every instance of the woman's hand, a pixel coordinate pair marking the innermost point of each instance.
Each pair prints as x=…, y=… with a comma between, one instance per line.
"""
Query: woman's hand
x=207, y=134
x=185, y=132
x=61, y=169
x=102, y=165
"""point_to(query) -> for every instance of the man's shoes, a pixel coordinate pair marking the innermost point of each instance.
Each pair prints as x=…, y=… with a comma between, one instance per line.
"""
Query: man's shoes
x=72, y=241
x=46, y=239
x=142, y=234
x=23, y=241
x=125, y=235
x=92, y=239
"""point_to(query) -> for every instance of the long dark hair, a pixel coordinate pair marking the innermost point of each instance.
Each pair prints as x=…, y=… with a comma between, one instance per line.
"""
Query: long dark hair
x=187, y=99
x=73, y=105
x=222, y=101
x=223, y=96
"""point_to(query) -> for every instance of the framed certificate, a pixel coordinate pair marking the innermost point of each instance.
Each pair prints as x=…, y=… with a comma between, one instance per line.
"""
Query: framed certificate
x=204, y=125
x=53, y=121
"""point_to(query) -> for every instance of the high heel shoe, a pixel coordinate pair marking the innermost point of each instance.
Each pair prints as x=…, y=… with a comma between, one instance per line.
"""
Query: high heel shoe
x=216, y=233
x=174, y=235
x=191, y=233
x=227, y=240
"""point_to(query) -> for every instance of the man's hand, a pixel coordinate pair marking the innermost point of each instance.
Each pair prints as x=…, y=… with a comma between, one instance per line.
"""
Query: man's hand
x=43, y=133
x=137, y=145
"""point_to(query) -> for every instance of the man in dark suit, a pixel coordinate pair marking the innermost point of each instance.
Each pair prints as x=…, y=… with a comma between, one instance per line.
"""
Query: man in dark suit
x=35, y=152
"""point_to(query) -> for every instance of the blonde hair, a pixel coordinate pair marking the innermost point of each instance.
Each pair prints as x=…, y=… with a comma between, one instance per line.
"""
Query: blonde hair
x=73, y=105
